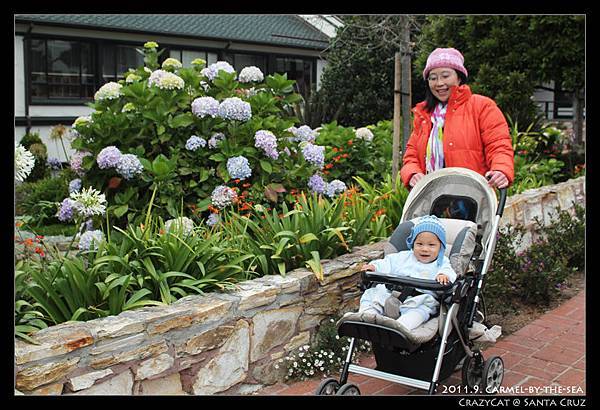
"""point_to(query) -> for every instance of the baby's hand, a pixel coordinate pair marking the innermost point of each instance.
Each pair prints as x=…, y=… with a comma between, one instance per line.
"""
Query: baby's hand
x=368, y=267
x=442, y=278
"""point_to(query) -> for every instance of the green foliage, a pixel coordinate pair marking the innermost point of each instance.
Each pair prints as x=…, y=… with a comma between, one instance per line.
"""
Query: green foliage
x=501, y=69
x=536, y=275
x=37, y=199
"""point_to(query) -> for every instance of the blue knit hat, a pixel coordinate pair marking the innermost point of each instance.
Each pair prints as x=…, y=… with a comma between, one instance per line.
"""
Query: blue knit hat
x=429, y=223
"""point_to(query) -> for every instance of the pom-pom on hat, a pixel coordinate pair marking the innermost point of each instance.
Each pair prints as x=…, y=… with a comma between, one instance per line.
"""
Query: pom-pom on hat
x=429, y=223
x=445, y=57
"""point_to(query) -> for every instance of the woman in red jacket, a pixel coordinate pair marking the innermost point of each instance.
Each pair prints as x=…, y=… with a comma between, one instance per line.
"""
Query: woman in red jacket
x=456, y=128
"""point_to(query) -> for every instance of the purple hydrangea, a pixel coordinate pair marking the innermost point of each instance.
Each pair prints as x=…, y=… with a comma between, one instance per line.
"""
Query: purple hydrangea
x=304, y=133
x=213, y=219
x=215, y=139
x=235, y=109
x=195, y=142
x=212, y=71
x=239, y=168
x=223, y=196
x=66, y=211
x=205, y=106
x=77, y=161
x=317, y=184
x=335, y=187
x=315, y=154
x=129, y=166
x=54, y=163
x=75, y=185
x=109, y=157
x=266, y=141
x=90, y=240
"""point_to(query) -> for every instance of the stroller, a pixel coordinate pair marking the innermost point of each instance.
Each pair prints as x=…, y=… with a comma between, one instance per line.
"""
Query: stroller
x=429, y=354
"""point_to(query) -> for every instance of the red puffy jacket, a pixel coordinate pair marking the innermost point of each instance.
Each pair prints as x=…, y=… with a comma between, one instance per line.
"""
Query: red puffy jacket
x=476, y=136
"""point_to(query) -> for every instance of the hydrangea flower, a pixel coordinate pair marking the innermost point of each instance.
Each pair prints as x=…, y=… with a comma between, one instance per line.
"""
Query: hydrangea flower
x=165, y=80
x=266, y=141
x=108, y=91
x=198, y=62
x=77, y=161
x=212, y=71
x=75, y=185
x=186, y=225
x=89, y=202
x=223, y=196
x=128, y=107
x=24, y=162
x=150, y=45
x=86, y=226
x=238, y=167
x=90, y=240
x=109, y=157
x=54, y=163
x=66, y=210
x=235, y=109
x=132, y=77
x=251, y=74
x=317, y=184
x=335, y=187
x=203, y=106
x=213, y=219
x=215, y=139
x=304, y=133
x=82, y=121
x=195, y=142
x=315, y=154
x=171, y=63
x=129, y=166
x=364, y=134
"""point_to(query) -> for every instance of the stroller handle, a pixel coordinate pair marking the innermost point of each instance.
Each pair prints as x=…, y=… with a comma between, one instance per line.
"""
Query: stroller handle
x=406, y=281
x=502, y=201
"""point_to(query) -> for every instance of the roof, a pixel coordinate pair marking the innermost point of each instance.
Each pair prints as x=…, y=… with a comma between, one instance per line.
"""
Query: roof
x=283, y=30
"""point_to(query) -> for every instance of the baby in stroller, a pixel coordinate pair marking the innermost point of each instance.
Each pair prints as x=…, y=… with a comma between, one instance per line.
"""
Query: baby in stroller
x=425, y=259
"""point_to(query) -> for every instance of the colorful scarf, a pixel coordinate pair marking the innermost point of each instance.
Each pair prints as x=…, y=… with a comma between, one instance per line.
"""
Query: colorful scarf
x=434, y=158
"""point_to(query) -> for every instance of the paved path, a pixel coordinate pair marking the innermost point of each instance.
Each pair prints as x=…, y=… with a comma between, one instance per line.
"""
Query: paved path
x=546, y=357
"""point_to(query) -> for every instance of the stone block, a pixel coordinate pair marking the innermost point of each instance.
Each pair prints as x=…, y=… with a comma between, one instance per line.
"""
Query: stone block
x=254, y=294
x=208, y=340
x=41, y=374
x=87, y=380
x=164, y=386
x=116, y=326
x=272, y=328
x=228, y=367
x=153, y=366
x=139, y=353
x=54, y=389
x=119, y=385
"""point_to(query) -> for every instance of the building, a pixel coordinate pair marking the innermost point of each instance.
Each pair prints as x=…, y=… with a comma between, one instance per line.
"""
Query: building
x=62, y=59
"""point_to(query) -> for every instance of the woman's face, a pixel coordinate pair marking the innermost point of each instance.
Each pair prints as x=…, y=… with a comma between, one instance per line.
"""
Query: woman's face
x=440, y=80
x=426, y=247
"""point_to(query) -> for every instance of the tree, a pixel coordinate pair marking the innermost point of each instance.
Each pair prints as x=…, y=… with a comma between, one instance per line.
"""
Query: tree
x=508, y=56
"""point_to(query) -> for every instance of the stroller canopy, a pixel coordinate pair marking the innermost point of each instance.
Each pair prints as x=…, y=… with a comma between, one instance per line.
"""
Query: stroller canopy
x=454, y=183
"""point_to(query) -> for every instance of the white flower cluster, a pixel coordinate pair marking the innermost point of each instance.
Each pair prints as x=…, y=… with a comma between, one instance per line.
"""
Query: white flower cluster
x=306, y=362
x=364, y=134
x=251, y=74
x=223, y=196
x=212, y=71
x=171, y=63
x=90, y=240
x=24, y=162
x=108, y=91
x=89, y=202
x=165, y=80
x=182, y=224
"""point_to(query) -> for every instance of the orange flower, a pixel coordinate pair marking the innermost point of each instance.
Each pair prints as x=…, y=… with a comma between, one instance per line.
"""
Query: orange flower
x=161, y=232
x=19, y=224
x=350, y=142
x=326, y=172
x=28, y=242
x=334, y=149
x=345, y=155
x=237, y=180
x=338, y=158
x=246, y=185
x=328, y=166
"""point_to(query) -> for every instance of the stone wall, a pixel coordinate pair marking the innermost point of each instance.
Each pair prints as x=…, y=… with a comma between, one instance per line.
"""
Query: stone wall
x=218, y=343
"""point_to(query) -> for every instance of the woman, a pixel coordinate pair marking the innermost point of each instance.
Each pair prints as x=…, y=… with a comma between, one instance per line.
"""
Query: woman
x=456, y=128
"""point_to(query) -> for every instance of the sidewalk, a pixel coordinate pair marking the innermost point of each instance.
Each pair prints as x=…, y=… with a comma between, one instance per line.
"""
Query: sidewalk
x=545, y=354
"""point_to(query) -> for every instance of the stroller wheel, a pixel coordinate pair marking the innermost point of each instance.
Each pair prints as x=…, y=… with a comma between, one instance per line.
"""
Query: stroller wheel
x=328, y=387
x=472, y=372
x=493, y=373
x=348, y=389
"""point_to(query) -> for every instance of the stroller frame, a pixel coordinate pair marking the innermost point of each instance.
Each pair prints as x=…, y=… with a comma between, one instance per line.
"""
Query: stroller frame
x=456, y=291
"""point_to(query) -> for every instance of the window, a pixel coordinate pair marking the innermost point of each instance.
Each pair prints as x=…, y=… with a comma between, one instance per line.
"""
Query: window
x=187, y=56
x=118, y=59
x=61, y=70
x=296, y=69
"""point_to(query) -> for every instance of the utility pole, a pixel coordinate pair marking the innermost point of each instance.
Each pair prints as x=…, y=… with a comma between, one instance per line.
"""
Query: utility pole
x=406, y=84
x=397, y=110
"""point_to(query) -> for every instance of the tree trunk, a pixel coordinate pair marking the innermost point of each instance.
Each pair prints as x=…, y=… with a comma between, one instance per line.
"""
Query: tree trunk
x=578, y=105
x=397, y=110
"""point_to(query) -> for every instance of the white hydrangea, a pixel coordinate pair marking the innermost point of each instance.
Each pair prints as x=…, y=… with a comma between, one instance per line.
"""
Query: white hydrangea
x=212, y=71
x=108, y=91
x=364, y=134
x=24, y=162
x=172, y=63
x=251, y=74
x=186, y=225
x=165, y=80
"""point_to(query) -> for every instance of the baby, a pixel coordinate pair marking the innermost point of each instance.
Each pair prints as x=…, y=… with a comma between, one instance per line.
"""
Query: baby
x=424, y=260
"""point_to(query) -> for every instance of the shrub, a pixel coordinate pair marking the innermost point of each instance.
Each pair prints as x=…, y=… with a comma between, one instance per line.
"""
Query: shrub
x=35, y=145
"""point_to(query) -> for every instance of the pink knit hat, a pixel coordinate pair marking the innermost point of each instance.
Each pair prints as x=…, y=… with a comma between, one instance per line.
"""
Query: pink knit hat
x=445, y=57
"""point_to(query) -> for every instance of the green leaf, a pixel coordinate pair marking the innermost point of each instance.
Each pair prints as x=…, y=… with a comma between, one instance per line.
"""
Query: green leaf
x=309, y=237
x=120, y=210
x=266, y=166
x=182, y=120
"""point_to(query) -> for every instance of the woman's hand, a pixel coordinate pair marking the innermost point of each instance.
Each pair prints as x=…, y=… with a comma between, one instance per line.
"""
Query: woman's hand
x=368, y=267
x=442, y=278
x=415, y=178
x=496, y=179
